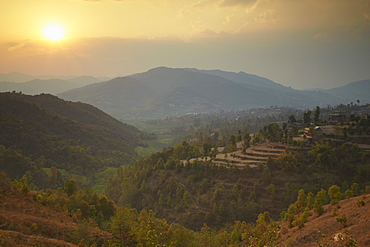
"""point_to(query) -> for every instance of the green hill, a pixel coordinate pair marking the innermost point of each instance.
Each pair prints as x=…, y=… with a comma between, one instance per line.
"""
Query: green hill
x=43, y=131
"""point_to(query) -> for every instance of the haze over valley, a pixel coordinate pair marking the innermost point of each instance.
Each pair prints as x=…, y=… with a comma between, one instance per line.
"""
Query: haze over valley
x=162, y=92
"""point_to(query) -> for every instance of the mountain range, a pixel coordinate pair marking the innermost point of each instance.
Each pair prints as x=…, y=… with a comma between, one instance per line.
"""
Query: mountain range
x=163, y=91
x=44, y=84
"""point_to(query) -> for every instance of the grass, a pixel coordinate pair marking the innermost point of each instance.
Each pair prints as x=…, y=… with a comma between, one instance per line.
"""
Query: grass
x=163, y=132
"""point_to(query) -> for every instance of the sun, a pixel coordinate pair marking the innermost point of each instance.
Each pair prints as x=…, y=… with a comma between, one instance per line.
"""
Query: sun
x=53, y=32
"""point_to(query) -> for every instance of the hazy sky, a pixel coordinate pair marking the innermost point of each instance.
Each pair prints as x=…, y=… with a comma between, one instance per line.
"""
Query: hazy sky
x=298, y=43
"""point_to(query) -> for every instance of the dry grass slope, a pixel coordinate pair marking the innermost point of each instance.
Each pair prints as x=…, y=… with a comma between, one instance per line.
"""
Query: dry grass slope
x=327, y=231
x=24, y=222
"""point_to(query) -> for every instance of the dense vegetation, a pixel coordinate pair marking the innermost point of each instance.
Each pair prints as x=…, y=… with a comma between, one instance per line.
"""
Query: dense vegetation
x=42, y=131
x=193, y=192
x=220, y=126
x=179, y=197
x=90, y=215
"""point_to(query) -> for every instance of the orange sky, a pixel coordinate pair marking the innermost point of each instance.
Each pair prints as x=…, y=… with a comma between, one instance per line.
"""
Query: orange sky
x=298, y=43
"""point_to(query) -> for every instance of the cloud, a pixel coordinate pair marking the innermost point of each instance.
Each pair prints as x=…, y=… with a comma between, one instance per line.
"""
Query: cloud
x=297, y=60
x=266, y=17
x=11, y=46
x=199, y=6
x=34, y=48
x=231, y=3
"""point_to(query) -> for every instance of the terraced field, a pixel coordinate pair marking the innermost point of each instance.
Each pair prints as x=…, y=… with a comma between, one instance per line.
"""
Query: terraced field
x=252, y=156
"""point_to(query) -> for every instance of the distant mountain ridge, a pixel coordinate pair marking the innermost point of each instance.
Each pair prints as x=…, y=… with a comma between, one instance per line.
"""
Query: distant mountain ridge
x=44, y=84
x=163, y=91
x=358, y=90
x=21, y=77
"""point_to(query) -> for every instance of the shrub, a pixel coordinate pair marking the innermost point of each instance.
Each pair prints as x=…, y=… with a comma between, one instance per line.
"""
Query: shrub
x=343, y=220
x=360, y=203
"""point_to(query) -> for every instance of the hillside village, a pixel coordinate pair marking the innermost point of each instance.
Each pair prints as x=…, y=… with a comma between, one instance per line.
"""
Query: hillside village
x=338, y=127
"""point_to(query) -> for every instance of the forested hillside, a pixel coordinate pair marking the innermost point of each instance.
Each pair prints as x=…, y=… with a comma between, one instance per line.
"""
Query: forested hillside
x=47, y=136
x=71, y=216
x=188, y=184
x=220, y=187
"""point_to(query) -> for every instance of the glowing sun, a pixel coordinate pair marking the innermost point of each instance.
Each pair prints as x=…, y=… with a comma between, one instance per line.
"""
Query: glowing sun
x=53, y=32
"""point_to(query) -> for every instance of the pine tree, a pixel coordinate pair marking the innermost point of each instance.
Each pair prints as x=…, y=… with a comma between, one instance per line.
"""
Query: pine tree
x=334, y=194
x=320, y=200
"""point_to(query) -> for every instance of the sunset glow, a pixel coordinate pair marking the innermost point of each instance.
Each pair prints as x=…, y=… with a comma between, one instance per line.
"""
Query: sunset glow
x=53, y=32
x=301, y=44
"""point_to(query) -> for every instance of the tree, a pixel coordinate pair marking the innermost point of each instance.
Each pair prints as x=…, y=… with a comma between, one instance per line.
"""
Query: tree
x=271, y=191
x=310, y=200
x=348, y=194
x=232, y=140
x=120, y=228
x=83, y=235
x=301, y=199
x=206, y=236
x=316, y=115
x=320, y=200
x=354, y=188
x=70, y=187
x=324, y=155
x=24, y=186
x=334, y=194
x=160, y=164
x=292, y=119
x=53, y=175
x=307, y=118
x=288, y=161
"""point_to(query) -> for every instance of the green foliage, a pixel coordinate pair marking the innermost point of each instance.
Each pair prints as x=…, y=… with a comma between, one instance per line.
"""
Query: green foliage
x=83, y=235
x=301, y=200
x=288, y=162
x=307, y=118
x=70, y=187
x=334, y=194
x=316, y=117
x=355, y=189
x=159, y=182
x=324, y=156
x=83, y=205
x=292, y=119
x=343, y=220
x=271, y=190
x=310, y=200
x=348, y=194
x=272, y=132
x=48, y=132
x=360, y=203
x=298, y=212
x=121, y=228
x=320, y=200
x=264, y=235
x=128, y=228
